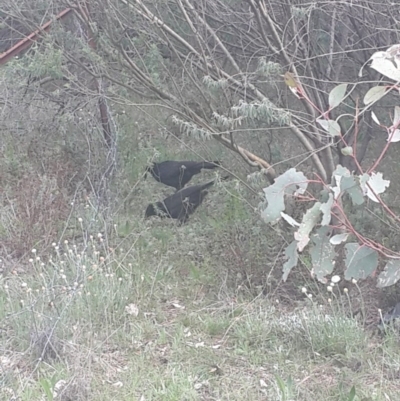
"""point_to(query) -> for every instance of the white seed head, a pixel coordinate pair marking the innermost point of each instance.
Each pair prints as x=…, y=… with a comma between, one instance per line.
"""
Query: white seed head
x=304, y=290
x=335, y=279
x=354, y=281
x=33, y=250
x=309, y=296
x=345, y=290
x=329, y=288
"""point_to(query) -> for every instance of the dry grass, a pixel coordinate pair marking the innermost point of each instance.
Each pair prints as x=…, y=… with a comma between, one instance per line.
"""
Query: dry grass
x=153, y=311
x=155, y=320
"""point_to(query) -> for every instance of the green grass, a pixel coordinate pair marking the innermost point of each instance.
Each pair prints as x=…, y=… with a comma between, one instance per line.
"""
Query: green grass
x=169, y=312
x=146, y=323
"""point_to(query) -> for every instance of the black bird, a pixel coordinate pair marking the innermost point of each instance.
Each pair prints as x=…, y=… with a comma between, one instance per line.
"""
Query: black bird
x=181, y=204
x=177, y=174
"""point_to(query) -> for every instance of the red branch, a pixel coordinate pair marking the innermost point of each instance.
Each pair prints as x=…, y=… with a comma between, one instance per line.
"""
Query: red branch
x=28, y=41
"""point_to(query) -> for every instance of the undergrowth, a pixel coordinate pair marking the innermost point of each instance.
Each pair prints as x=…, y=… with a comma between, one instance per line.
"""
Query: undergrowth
x=141, y=321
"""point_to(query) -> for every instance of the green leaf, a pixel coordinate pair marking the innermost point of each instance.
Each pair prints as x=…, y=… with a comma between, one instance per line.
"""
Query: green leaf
x=322, y=253
x=292, y=258
x=326, y=210
x=375, y=118
x=282, y=386
x=323, y=195
x=310, y=219
x=361, y=261
x=352, y=187
x=330, y=126
x=375, y=183
x=290, y=220
x=346, y=182
x=336, y=95
x=47, y=388
x=386, y=67
x=396, y=118
x=338, y=238
x=352, y=394
x=390, y=275
x=374, y=94
x=347, y=151
x=286, y=184
x=393, y=137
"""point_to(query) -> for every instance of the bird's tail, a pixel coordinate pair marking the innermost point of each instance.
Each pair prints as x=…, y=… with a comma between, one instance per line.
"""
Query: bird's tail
x=209, y=165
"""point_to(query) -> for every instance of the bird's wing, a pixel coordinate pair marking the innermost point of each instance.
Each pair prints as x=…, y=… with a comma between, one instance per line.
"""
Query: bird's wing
x=170, y=169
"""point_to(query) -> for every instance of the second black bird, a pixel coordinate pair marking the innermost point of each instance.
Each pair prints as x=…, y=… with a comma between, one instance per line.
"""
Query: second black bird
x=181, y=204
x=178, y=173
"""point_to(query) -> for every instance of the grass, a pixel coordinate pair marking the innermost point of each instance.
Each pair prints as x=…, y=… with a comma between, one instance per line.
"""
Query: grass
x=148, y=310
x=145, y=323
